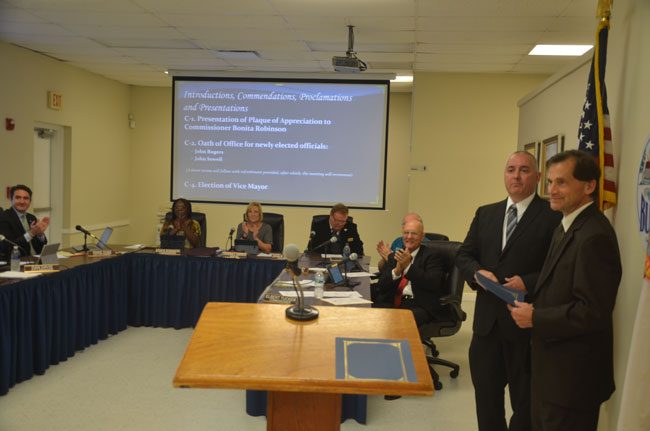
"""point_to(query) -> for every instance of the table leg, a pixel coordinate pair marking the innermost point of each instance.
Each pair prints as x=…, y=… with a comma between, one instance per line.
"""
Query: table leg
x=301, y=411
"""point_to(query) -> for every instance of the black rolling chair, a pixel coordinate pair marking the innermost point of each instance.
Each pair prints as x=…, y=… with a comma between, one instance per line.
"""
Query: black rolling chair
x=435, y=236
x=276, y=221
x=319, y=217
x=451, y=302
x=200, y=217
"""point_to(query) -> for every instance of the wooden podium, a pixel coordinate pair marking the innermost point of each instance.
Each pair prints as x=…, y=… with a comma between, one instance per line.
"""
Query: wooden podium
x=254, y=346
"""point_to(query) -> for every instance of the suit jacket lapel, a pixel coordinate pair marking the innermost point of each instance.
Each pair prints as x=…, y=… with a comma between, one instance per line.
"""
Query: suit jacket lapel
x=18, y=225
x=551, y=261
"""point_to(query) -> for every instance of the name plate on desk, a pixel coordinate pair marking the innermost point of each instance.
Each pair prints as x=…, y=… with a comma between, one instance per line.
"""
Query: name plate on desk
x=42, y=268
x=234, y=254
x=99, y=253
x=169, y=251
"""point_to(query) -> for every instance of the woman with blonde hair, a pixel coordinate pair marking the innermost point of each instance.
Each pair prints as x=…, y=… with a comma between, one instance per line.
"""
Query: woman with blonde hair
x=253, y=228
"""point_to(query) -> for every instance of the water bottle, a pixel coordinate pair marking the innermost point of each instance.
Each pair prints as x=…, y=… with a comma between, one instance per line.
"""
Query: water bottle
x=15, y=259
x=346, y=251
x=319, y=282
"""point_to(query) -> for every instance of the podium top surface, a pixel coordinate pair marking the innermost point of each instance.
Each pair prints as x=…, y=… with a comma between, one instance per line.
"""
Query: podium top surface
x=254, y=346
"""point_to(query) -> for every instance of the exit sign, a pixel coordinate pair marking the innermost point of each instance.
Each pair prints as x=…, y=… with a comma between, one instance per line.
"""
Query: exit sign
x=54, y=100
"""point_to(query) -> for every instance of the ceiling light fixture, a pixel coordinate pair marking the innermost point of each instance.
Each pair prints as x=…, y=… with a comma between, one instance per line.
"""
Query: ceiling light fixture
x=565, y=50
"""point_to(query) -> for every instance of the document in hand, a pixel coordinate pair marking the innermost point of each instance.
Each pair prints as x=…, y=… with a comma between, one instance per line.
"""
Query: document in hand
x=507, y=294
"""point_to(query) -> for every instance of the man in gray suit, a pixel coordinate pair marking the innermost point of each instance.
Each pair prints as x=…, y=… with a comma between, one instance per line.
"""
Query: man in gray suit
x=507, y=242
x=572, y=303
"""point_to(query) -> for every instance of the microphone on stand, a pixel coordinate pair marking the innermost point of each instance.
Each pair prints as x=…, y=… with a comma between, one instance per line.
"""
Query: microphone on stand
x=4, y=238
x=88, y=233
x=299, y=311
x=332, y=240
x=352, y=257
x=232, y=230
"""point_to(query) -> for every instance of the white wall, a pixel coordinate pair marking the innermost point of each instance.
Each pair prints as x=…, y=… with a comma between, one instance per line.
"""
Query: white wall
x=464, y=128
x=94, y=117
x=557, y=109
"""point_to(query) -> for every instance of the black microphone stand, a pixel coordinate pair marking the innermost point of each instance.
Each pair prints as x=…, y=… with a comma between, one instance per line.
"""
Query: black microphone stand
x=346, y=281
x=85, y=247
x=299, y=311
x=229, y=239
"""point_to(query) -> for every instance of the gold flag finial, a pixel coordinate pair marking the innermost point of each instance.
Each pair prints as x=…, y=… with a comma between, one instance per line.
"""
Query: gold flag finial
x=604, y=9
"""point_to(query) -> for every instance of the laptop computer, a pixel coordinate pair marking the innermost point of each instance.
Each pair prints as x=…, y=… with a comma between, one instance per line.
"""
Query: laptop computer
x=172, y=241
x=334, y=271
x=103, y=243
x=248, y=246
x=48, y=254
x=100, y=245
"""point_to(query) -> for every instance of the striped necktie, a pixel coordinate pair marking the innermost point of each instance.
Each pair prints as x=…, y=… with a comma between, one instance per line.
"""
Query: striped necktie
x=511, y=221
x=23, y=220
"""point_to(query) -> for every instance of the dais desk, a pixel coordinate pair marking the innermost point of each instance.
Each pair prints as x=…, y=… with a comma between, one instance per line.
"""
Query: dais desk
x=254, y=346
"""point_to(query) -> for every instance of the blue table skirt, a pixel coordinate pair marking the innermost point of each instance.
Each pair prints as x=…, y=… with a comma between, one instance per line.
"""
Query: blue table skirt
x=45, y=320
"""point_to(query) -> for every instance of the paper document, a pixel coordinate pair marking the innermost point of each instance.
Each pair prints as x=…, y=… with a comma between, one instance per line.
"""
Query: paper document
x=346, y=301
x=507, y=294
x=317, y=269
x=358, y=274
x=340, y=294
x=289, y=283
x=135, y=246
x=18, y=274
x=293, y=294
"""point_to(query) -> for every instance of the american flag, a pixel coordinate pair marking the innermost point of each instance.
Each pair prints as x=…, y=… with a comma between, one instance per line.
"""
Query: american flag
x=594, y=134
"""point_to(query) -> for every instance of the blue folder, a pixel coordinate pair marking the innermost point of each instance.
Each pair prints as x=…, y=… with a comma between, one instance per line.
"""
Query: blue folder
x=507, y=294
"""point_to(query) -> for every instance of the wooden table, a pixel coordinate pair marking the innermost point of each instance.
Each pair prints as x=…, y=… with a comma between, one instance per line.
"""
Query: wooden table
x=254, y=346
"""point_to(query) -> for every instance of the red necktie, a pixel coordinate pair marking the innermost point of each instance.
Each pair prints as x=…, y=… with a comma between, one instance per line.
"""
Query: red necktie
x=400, y=288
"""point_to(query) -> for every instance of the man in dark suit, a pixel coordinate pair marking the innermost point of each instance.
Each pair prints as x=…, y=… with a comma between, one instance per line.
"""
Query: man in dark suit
x=572, y=303
x=21, y=227
x=412, y=278
x=507, y=242
x=336, y=225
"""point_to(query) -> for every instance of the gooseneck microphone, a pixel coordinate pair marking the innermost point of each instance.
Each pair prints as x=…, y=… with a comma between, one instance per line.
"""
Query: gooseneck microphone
x=5, y=239
x=90, y=234
x=229, y=239
x=332, y=240
x=299, y=311
x=352, y=257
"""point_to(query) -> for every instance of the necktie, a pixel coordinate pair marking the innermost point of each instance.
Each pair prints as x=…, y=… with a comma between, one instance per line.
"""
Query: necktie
x=511, y=221
x=400, y=288
x=558, y=234
x=23, y=220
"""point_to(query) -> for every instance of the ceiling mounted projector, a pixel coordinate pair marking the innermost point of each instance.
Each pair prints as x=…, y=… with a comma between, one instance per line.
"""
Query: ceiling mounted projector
x=350, y=63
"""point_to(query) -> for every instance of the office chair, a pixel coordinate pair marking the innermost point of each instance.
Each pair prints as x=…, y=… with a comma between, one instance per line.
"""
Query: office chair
x=454, y=314
x=317, y=218
x=435, y=236
x=276, y=221
x=199, y=217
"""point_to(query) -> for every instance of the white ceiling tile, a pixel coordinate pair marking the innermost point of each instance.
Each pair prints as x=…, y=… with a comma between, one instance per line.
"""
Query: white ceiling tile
x=224, y=21
x=95, y=18
x=309, y=22
x=381, y=8
x=467, y=58
x=487, y=8
x=301, y=35
x=443, y=48
x=496, y=37
x=75, y=5
x=482, y=24
x=209, y=7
